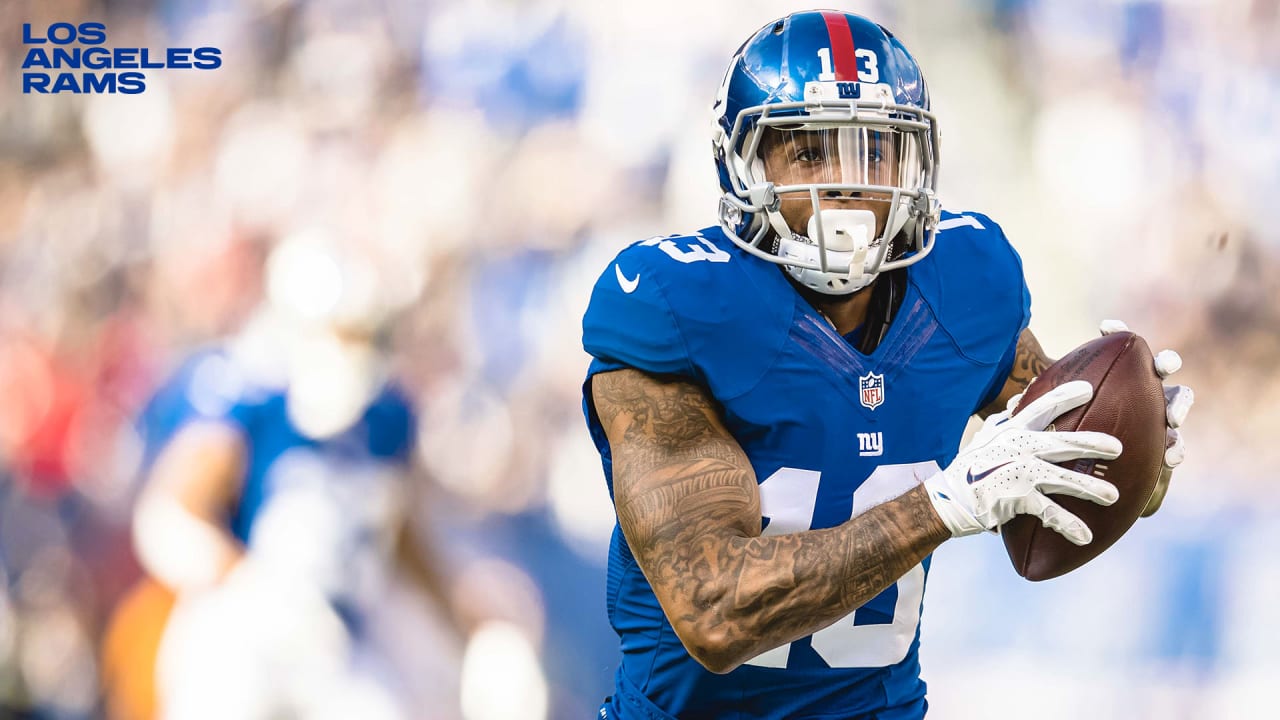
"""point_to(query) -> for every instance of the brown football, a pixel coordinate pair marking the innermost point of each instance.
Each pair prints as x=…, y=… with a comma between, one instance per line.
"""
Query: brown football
x=1128, y=402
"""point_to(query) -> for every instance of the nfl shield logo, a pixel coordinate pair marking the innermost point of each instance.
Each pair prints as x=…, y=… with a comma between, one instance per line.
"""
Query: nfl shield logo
x=871, y=387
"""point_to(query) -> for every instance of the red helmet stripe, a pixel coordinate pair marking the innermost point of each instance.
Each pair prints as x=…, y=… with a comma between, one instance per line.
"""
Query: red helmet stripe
x=843, y=60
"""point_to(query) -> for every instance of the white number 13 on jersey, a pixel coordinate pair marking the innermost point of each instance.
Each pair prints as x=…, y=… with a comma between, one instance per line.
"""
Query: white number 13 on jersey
x=788, y=498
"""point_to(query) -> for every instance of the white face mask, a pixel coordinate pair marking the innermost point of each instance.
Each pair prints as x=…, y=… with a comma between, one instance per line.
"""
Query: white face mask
x=835, y=186
x=328, y=381
x=331, y=383
x=843, y=178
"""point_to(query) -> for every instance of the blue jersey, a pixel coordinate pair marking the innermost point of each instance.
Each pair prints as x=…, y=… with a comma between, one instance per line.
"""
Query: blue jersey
x=326, y=507
x=829, y=431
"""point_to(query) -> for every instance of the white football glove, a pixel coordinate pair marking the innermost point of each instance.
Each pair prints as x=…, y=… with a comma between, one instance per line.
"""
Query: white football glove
x=1178, y=400
x=1007, y=469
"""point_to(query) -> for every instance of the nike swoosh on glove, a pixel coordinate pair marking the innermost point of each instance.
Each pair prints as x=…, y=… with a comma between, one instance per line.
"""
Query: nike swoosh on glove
x=1008, y=469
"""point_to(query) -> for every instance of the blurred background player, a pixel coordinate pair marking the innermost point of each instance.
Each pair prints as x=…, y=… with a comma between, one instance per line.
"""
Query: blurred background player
x=276, y=509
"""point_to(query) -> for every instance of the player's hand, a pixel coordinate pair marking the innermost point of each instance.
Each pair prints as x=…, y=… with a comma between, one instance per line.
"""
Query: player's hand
x=1178, y=400
x=1008, y=469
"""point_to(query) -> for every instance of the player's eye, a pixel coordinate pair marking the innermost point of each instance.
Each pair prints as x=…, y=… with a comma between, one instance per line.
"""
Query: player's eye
x=808, y=155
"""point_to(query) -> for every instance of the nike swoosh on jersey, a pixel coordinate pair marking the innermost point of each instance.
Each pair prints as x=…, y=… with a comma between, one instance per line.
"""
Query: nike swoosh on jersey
x=975, y=478
x=628, y=286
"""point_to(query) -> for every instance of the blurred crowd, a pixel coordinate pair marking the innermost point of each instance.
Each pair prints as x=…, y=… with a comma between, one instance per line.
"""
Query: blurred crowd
x=481, y=161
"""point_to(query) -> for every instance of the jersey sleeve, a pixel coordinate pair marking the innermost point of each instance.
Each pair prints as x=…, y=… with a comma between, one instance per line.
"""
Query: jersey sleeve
x=205, y=387
x=630, y=322
x=996, y=383
x=984, y=301
x=393, y=425
x=219, y=390
x=691, y=305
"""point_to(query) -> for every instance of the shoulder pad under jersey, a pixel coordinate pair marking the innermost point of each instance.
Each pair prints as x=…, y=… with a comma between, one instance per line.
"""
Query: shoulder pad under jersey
x=973, y=280
x=692, y=305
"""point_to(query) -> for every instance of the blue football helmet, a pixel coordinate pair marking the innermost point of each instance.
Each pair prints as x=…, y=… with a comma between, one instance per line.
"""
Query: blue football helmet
x=827, y=151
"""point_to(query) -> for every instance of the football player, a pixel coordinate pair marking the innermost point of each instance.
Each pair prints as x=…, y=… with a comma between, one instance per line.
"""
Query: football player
x=276, y=509
x=778, y=399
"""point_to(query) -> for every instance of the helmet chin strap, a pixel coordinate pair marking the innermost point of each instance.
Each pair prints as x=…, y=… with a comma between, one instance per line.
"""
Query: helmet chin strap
x=846, y=236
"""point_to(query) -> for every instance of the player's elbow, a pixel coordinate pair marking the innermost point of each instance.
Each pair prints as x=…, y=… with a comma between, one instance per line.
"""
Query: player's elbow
x=178, y=548
x=722, y=627
x=715, y=634
x=719, y=665
x=713, y=649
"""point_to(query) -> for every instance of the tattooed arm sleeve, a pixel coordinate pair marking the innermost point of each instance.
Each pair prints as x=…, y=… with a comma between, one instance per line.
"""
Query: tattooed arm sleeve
x=688, y=504
x=1028, y=362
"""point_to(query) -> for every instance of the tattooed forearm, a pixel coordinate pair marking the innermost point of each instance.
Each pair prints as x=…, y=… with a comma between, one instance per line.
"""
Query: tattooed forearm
x=688, y=504
x=1028, y=362
x=789, y=586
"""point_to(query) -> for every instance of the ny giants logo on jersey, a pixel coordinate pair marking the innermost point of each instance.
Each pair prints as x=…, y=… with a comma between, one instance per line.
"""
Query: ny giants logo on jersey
x=870, y=444
x=871, y=390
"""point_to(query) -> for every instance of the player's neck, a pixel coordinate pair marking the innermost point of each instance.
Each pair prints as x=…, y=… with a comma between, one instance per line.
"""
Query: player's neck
x=844, y=312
